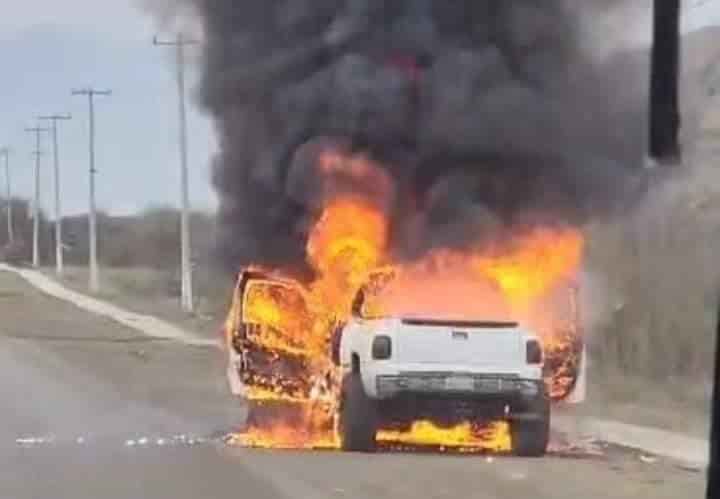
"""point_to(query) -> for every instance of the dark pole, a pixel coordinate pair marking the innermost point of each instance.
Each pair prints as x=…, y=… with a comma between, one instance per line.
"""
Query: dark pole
x=664, y=87
x=713, y=473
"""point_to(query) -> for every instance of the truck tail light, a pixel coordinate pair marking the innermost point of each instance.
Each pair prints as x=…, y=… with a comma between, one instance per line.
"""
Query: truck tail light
x=533, y=352
x=382, y=348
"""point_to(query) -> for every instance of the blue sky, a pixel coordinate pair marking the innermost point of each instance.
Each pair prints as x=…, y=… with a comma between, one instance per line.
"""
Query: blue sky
x=48, y=47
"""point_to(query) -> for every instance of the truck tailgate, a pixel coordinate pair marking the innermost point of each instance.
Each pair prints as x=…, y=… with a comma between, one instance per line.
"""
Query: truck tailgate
x=467, y=343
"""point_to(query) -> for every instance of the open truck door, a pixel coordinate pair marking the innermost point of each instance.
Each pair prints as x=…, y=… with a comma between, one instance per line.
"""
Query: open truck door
x=278, y=356
x=267, y=336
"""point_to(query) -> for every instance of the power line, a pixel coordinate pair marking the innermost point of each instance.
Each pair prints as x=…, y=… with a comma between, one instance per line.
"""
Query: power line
x=185, y=244
x=91, y=93
x=58, y=213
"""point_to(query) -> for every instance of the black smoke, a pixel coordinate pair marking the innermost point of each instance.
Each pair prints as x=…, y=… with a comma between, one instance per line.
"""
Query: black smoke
x=485, y=114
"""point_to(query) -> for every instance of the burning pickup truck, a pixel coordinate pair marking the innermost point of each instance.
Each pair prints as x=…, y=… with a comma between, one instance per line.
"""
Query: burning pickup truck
x=285, y=335
x=296, y=348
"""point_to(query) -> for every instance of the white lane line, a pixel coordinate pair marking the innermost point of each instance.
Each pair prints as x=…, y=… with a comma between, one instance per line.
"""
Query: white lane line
x=145, y=324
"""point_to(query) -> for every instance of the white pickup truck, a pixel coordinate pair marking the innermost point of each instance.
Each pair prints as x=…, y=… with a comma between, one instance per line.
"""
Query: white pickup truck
x=400, y=369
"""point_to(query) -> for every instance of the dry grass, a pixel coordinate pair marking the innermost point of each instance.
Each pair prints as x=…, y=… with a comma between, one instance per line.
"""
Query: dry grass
x=657, y=272
x=681, y=405
x=651, y=303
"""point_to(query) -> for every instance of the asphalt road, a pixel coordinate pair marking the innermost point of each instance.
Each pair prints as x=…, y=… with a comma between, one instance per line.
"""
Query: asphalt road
x=91, y=409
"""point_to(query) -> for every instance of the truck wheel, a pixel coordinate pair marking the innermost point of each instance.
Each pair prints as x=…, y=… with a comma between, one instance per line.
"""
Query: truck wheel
x=531, y=438
x=358, y=416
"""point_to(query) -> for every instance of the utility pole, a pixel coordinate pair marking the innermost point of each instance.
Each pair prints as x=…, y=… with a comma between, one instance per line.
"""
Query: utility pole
x=92, y=217
x=664, y=144
x=58, y=214
x=36, y=204
x=5, y=151
x=185, y=245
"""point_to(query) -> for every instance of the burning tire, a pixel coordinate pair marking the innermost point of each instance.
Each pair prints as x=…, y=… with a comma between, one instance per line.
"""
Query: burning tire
x=530, y=438
x=357, y=416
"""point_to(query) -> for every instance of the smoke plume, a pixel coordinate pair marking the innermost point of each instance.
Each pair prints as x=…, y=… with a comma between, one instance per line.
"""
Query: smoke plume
x=472, y=116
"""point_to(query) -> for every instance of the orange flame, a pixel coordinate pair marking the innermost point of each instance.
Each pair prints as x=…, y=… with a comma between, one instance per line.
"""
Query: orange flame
x=347, y=242
x=533, y=263
x=466, y=437
x=311, y=431
x=495, y=437
x=350, y=237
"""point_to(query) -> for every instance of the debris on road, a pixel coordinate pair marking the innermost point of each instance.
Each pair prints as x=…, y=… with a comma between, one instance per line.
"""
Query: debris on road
x=142, y=441
x=587, y=447
x=34, y=441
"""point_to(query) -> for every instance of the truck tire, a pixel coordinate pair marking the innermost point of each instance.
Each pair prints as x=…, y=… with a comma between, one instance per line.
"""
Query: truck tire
x=357, y=416
x=531, y=438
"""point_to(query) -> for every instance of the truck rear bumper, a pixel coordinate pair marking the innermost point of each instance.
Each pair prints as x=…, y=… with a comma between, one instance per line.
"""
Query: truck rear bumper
x=466, y=385
x=451, y=398
x=432, y=376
